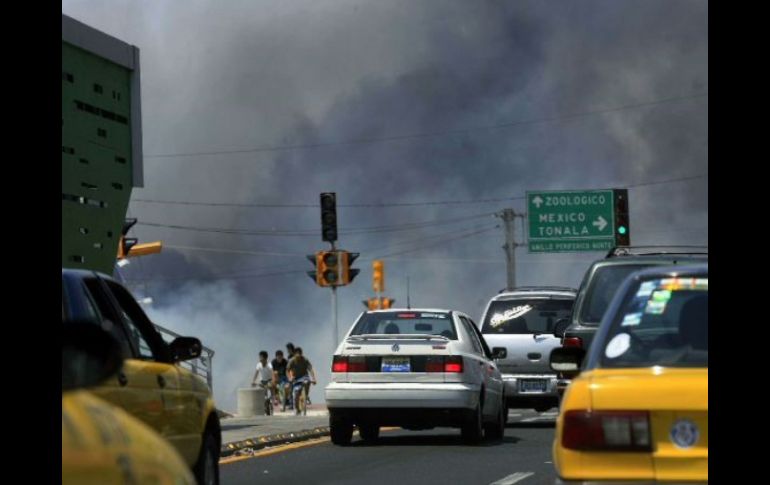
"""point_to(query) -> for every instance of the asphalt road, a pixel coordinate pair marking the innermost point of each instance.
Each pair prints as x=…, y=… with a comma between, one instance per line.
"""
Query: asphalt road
x=413, y=457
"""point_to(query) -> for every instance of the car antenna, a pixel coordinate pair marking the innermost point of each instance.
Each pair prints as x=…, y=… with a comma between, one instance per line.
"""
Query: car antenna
x=408, y=304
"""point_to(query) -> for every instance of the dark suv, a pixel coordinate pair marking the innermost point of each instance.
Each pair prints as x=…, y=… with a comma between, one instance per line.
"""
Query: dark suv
x=605, y=276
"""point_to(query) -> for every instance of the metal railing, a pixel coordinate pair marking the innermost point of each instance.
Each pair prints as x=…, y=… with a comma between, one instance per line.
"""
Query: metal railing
x=202, y=366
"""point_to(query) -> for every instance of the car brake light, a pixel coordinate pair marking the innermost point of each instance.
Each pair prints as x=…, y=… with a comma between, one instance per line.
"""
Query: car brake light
x=340, y=364
x=573, y=342
x=356, y=364
x=434, y=364
x=453, y=363
x=343, y=363
x=606, y=430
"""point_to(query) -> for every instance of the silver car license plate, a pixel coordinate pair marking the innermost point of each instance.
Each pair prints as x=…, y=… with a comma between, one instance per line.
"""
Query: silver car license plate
x=396, y=364
x=532, y=385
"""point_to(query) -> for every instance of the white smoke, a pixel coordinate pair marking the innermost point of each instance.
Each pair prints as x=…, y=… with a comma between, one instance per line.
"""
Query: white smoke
x=227, y=322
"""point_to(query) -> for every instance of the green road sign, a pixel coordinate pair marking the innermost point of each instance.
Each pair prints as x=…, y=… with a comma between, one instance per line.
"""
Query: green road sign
x=570, y=221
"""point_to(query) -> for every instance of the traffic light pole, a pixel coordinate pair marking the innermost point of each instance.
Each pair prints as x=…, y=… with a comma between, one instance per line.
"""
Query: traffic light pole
x=334, y=313
x=334, y=318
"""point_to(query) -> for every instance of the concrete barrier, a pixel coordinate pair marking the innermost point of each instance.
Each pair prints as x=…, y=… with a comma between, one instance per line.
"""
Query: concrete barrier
x=251, y=402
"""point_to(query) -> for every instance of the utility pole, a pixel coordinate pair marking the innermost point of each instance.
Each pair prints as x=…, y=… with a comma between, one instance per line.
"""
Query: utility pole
x=508, y=216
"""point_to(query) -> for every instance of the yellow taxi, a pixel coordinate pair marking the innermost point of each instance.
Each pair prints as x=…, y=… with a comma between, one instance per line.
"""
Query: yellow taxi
x=151, y=386
x=638, y=411
x=101, y=443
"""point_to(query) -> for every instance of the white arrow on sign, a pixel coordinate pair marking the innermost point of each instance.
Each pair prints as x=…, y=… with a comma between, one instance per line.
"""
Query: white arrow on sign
x=600, y=222
x=537, y=201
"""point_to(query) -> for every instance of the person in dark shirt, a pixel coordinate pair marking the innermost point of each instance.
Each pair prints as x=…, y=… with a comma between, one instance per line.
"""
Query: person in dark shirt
x=279, y=370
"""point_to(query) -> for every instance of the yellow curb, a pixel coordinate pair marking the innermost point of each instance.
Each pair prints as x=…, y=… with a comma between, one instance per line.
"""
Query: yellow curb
x=276, y=449
x=282, y=448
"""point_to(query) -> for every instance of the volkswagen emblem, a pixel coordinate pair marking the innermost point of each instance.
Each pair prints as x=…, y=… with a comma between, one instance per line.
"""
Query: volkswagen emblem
x=684, y=433
x=395, y=348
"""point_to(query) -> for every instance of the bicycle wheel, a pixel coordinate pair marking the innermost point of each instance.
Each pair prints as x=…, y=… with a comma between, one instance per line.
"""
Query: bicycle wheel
x=303, y=399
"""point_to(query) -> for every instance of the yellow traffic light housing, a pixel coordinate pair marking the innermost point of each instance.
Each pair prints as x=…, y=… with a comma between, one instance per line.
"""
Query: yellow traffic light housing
x=146, y=248
x=378, y=276
x=386, y=303
x=327, y=268
x=346, y=272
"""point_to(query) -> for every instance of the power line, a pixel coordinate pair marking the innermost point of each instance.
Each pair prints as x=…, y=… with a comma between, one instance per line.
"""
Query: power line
x=404, y=204
x=281, y=273
x=314, y=232
x=410, y=136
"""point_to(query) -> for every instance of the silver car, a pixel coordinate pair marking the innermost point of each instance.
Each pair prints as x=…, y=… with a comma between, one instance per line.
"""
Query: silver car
x=519, y=326
x=418, y=369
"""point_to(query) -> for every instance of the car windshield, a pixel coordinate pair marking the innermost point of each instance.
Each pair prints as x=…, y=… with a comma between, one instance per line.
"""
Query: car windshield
x=663, y=323
x=406, y=322
x=602, y=288
x=526, y=315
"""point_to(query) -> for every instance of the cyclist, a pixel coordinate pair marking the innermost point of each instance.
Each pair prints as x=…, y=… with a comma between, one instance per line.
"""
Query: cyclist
x=300, y=370
x=279, y=376
x=264, y=372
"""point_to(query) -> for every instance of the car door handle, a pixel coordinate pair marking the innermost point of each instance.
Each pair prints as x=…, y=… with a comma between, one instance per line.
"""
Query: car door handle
x=161, y=381
x=122, y=379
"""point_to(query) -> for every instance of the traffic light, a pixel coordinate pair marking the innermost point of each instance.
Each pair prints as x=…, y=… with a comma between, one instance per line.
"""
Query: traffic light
x=329, y=216
x=372, y=303
x=378, y=276
x=346, y=272
x=327, y=268
x=125, y=244
x=622, y=223
x=146, y=248
x=386, y=303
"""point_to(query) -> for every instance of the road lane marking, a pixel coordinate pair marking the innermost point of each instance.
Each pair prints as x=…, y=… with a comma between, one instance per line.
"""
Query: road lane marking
x=513, y=478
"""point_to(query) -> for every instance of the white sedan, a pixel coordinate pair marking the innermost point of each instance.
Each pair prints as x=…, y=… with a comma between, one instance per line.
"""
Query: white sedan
x=417, y=369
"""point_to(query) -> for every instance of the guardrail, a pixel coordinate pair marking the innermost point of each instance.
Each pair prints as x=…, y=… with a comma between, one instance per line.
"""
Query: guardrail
x=200, y=366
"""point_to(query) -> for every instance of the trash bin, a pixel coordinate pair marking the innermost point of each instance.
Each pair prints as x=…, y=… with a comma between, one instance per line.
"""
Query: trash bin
x=251, y=402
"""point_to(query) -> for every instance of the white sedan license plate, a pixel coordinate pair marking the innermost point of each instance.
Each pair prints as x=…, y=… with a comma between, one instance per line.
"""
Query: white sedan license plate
x=532, y=385
x=395, y=364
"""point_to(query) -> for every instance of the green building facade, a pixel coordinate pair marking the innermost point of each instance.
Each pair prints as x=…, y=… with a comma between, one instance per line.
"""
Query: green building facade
x=101, y=143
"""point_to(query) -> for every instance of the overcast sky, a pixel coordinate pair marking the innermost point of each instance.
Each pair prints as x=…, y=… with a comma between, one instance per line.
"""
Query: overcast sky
x=291, y=84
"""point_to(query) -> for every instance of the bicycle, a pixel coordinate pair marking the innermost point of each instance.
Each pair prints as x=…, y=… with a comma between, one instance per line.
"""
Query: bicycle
x=300, y=390
x=268, y=397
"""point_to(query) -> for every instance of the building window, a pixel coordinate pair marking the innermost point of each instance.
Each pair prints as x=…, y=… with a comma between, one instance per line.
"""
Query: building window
x=117, y=186
x=98, y=88
x=98, y=245
x=109, y=234
x=88, y=186
x=84, y=230
x=84, y=161
x=120, y=160
x=68, y=150
x=77, y=259
x=67, y=77
x=101, y=132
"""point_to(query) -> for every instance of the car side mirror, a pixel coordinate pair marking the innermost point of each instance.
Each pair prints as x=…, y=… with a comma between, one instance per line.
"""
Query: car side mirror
x=567, y=359
x=499, y=352
x=185, y=348
x=560, y=327
x=89, y=355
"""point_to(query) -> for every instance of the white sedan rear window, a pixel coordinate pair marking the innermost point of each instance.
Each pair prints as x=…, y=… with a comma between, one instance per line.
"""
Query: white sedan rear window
x=402, y=323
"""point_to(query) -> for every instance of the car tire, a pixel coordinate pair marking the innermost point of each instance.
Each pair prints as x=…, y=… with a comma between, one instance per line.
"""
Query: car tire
x=369, y=431
x=496, y=430
x=206, y=469
x=341, y=430
x=472, y=429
